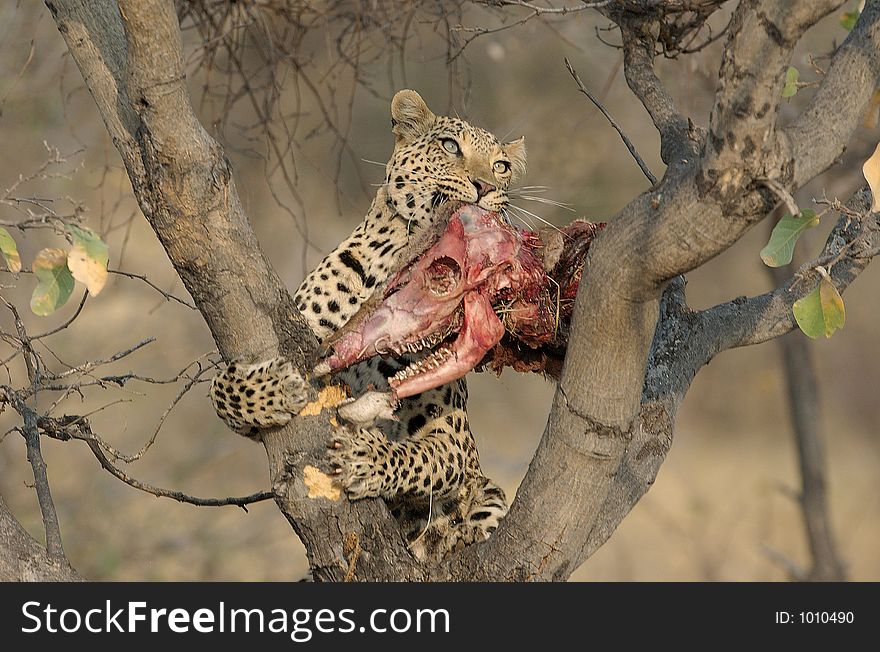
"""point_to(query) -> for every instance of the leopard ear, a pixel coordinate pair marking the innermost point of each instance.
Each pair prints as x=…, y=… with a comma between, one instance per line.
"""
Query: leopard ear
x=410, y=116
x=516, y=152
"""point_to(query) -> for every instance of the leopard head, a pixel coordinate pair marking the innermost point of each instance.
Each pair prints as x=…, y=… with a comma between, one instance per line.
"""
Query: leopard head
x=439, y=158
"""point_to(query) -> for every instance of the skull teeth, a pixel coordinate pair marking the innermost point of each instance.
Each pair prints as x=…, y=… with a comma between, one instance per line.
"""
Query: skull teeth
x=420, y=345
x=428, y=363
x=431, y=361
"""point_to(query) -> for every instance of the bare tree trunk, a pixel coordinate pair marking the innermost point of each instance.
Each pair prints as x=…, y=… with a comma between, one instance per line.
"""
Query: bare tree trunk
x=23, y=559
x=625, y=374
x=130, y=56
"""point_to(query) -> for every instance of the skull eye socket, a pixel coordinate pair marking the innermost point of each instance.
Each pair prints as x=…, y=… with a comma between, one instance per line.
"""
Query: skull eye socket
x=442, y=276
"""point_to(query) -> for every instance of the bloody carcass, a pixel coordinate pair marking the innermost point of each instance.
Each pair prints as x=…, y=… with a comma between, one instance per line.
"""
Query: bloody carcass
x=478, y=292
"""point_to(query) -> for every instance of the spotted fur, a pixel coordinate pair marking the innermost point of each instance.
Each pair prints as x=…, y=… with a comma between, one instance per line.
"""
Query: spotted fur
x=249, y=397
x=425, y=464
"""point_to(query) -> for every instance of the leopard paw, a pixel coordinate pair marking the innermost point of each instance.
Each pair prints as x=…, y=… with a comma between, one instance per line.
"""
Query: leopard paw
x=482, y=508
x=471, y=518
x=357, y=457
x=249, y=397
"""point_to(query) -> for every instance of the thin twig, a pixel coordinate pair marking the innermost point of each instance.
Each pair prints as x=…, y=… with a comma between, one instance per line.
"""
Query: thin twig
x=27, y=350
x=784, y=196
x=196, y=378
x=66, y=323
x=626, y=140
x=41, y=485
x=77, y=427
x=536, y=11
x=32, y=442
x=141, y=277
x=240, y=501
x=792, y=568
x=93, y=364
x=18, y=77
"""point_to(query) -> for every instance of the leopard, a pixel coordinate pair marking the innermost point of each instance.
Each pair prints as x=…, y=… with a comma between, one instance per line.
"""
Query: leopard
x=422, y=459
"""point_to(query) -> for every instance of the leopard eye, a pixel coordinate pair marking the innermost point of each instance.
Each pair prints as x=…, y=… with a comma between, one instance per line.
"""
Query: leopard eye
x=501, y=167
x=451, y=146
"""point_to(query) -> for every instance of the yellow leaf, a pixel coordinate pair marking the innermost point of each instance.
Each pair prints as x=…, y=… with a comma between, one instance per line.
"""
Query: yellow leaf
x=9, y=251
x=88, y=258
x=871, y=170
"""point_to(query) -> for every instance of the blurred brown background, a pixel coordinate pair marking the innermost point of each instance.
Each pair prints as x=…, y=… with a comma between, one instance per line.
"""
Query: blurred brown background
x=722, y=499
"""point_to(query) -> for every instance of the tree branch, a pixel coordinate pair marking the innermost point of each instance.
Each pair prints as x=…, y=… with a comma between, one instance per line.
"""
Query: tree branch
x=78, y=427
x=812, y=142
x=130, y=57
x=761, y=39
x=850, y=247
x=678, y=138
x=685, y=341
x=626, y=141
x=32, y=442
x=573, y=495
x=611, y=422
x=41, y=485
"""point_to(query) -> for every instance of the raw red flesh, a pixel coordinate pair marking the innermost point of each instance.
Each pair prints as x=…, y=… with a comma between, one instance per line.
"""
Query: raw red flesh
x=480, y=331
x=479, y=266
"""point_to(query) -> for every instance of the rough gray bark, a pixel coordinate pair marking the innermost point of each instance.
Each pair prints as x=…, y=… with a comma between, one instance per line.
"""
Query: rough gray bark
x=625, y=374
x=130, y=57
x=23, y=559
x=603, y=446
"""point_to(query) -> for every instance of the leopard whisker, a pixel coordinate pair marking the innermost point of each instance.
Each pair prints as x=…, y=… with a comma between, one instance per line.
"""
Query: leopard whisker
x=430, y=513
x=530, y=188
x=537, y=217
x=545, y=200
x=525, y=221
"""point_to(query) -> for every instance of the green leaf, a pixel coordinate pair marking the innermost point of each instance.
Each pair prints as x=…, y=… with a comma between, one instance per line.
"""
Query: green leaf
x=821, y=312
x=848, y=20
x=88, y=258
x=780, y=248
x=55, y=282
x=791, y=80
x=9, y=251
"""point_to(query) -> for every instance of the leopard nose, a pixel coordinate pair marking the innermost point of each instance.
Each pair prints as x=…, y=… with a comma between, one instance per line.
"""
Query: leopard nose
x=483, y=187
